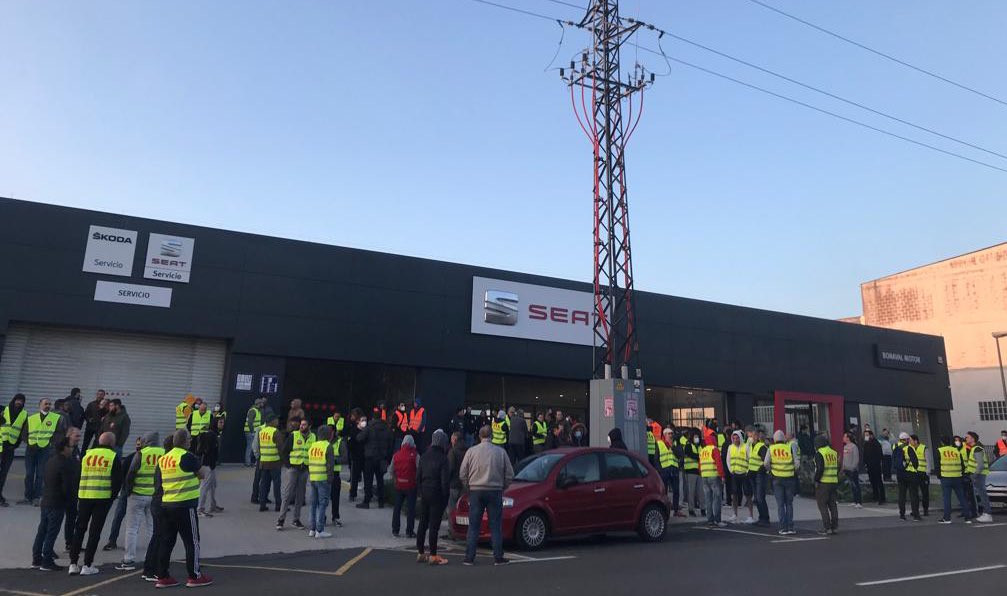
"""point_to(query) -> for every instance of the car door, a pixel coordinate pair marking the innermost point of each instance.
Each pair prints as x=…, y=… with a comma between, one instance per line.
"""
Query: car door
x=577, y=506
x=624, y=484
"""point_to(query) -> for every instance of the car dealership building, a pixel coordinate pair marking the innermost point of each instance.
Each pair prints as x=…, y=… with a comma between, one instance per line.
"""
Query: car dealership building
x=152, y=311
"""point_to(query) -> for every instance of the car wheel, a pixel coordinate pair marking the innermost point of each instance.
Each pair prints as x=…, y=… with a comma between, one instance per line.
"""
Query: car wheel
x=653, y=523
x=531, y=531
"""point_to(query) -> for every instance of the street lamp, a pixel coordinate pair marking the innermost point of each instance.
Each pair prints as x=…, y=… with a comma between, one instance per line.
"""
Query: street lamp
x=1003, y=380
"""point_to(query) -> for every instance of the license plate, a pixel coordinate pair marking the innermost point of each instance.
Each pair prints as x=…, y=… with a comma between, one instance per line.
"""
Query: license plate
x=998, y=504
x=461, y=520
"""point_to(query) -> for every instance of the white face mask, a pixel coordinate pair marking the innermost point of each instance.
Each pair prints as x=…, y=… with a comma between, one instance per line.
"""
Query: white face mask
x=696, y=440
x=609, y=440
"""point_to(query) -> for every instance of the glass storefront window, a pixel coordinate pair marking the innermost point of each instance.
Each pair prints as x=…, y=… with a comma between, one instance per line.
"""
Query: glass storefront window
x=532, y=394
x=691, y=417
x=684, y=406
x=915, y=421
x=326, y=385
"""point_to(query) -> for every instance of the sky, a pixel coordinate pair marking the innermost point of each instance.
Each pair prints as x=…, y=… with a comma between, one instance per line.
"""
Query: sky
x=434, y=129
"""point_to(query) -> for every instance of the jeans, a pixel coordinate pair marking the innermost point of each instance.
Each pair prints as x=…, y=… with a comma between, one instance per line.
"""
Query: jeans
x=269, y=476
x=825, y=496
x=295, y=486
x=853, y=477
x=137, y=513
x=979, y=486
x=712, y=494
x=784, y=490
x=670, y=478
x=409, y=498
x=759, y=482
x=249, y=439
x=48, y=529
x=208, y=491
x=877, y=485
x=320, y=492
x=6, y=459
x=949, y=485
x=692, y=491
x=491, y=502
x=34, y=471
x=453, y=495
x=431, y=512
x=120, y=514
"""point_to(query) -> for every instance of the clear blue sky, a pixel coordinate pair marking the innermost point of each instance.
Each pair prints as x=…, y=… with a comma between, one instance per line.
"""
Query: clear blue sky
x=430, y=129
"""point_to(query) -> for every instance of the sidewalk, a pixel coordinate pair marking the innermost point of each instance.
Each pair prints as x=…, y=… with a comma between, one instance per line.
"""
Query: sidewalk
x=242, y=530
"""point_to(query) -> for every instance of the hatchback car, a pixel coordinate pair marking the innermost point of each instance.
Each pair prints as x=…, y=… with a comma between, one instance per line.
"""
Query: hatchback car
x=573, y=491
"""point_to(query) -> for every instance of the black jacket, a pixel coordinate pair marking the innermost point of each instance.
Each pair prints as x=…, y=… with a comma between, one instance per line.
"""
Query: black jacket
x=457, y=424
x=872, y=454
x=455, y=457
x=208, y=448
x=60, y=481
x=434, y=474
x=554, y=442
x=76, y=412
x=377, y=440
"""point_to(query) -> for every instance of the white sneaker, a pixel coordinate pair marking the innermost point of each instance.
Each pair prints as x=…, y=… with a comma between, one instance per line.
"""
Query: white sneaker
x=722, y=524
x=311, y=533
x=984, y=518
x=858, y=506
x=323, y=534
x=89, y=570
x=731, y=519
x=749, y=520
x=74, y=569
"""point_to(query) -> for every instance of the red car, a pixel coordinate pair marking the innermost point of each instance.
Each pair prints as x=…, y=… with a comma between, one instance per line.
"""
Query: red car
x=577, y=491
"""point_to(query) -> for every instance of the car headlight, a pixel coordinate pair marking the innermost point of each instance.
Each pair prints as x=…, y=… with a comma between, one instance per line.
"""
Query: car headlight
x=508, y=502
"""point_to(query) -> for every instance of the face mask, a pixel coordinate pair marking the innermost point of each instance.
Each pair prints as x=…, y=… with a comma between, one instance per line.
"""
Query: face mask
x=402, y=408
x=362, y=424
x=696, y=440
x=578, y=435
x=958, y=443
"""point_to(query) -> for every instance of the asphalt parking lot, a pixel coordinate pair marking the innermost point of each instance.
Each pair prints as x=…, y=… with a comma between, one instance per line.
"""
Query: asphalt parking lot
x=869, y=556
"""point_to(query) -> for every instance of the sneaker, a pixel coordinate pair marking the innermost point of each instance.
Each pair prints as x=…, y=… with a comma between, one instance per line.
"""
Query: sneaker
x=833, y=532
x=149, y=578
x=166, y=582
x=722, y=524
x=410, y=535
x=126, y=566
x=263, y=508
x=823, y=532
x=731, y=519
x=311, y=533
x=984, y=518
x=35, y=502
x=503, y=561
x=50, y=566
x=203, y=514
x=279, y=526
x=199, y=582
x=4, y=504
x=438, y=560
x=422, y=558
x=791, y=532
x=109, y=546
x=917, y=518
x=73, y=569
x=749, y=520
x=36, y=564
x=858, y=506
x=216, y=509
x=89, y=570
x=395, y=534
x=297, y=524
x=902, y=517
x=782, y=532
x=323, y=534
x=338, y=523
x=944, y=521
x=969, y=521
x=468, y=562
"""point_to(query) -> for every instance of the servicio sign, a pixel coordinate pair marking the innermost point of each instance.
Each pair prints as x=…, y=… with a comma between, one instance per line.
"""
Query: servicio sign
x=169, y=258
x=109, y=251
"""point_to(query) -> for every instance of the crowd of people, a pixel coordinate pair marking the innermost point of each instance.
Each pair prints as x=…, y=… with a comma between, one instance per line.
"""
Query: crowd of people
x=706, y=469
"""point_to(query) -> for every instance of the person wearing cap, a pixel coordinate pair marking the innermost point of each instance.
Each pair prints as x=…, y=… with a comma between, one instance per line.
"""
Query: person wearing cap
x=737, y=464
x=783, y=461
x=905, y=463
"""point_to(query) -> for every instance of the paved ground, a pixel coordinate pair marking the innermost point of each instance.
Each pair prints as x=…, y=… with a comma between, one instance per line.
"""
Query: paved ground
x=873, y=546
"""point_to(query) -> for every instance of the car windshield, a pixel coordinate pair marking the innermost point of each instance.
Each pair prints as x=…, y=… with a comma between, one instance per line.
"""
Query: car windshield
x=999, y=465
x=536, y=469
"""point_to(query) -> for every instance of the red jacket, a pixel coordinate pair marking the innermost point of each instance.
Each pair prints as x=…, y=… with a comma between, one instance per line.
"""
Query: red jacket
x=404, y=468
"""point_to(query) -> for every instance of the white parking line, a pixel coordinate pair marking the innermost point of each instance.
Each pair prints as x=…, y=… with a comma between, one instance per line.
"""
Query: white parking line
x=989, y=525
x=759, y=534
x=543, y=559
x=929, y=575
x=783, y=540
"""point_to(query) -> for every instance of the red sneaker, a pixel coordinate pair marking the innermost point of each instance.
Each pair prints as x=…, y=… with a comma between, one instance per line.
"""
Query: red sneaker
x=166, y=582
x=199, y=582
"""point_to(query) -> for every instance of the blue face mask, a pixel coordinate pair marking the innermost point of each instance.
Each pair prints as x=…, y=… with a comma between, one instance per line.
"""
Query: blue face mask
x=577, y=434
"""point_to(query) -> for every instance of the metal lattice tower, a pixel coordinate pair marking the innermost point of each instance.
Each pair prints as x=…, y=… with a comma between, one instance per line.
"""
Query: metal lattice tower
x=604, y=95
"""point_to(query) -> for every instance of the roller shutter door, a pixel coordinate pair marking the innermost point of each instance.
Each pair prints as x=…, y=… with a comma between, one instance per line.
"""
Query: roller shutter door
x=149, y=373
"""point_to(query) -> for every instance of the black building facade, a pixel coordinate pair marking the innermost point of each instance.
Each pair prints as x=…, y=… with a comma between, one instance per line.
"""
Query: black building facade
x=339, y=327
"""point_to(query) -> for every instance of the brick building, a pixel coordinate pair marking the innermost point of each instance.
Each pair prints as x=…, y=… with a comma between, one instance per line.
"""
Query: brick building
x=964, y=300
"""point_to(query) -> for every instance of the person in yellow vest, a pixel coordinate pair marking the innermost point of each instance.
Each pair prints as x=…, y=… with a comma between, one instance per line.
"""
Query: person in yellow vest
x=923, y=472
x=199, y=420
x=758, y=478
x=905, y=463
x=253, y=422
x=177, y=479
x=669, y=465
x=737, y=465
x=339, y=451
x=692, y=483
x=294, y=454
x=321, y=476
x=711, y=470
x=139, y=486
x=12, y=425
x=783, y=461
x=951, y=468
x=499, y=429
x=336, y=423
x=39, y=430
x=100, y=480
x=539, y=433
x=827, y=484
x=182, y=411
x=267, y=452
x=977, y=468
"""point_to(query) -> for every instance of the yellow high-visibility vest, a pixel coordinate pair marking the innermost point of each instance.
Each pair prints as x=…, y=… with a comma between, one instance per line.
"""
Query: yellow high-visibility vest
x=651, y=443
x=178, y=484
x=336, y=466
x=181, y=415
x=921, y=455
x=143, y=484
x=707, y=465
x=951, y=462
x=739, y=459
x=541, y=429
x=12, y=429
x=256, y=420
x=41, y=428
x=96, y=474
x=905, y=458
x=971, y=463
x=317, y=460
x=667, y=458
x=337, y=425
x=830, y=475
x=781, y=459
x=268, y=452
x=200, y=423
x=299, y=452
x=690, y=463
x=756, y=457
x=499, y=437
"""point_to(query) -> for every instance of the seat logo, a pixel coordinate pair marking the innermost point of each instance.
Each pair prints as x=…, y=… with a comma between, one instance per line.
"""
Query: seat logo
x=500, y=308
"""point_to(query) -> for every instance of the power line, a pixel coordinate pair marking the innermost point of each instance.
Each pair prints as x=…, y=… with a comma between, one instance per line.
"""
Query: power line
x=779, y=95
x=929, y=73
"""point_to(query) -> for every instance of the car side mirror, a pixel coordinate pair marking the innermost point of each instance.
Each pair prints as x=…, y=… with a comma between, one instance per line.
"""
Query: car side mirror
x=566, y=481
